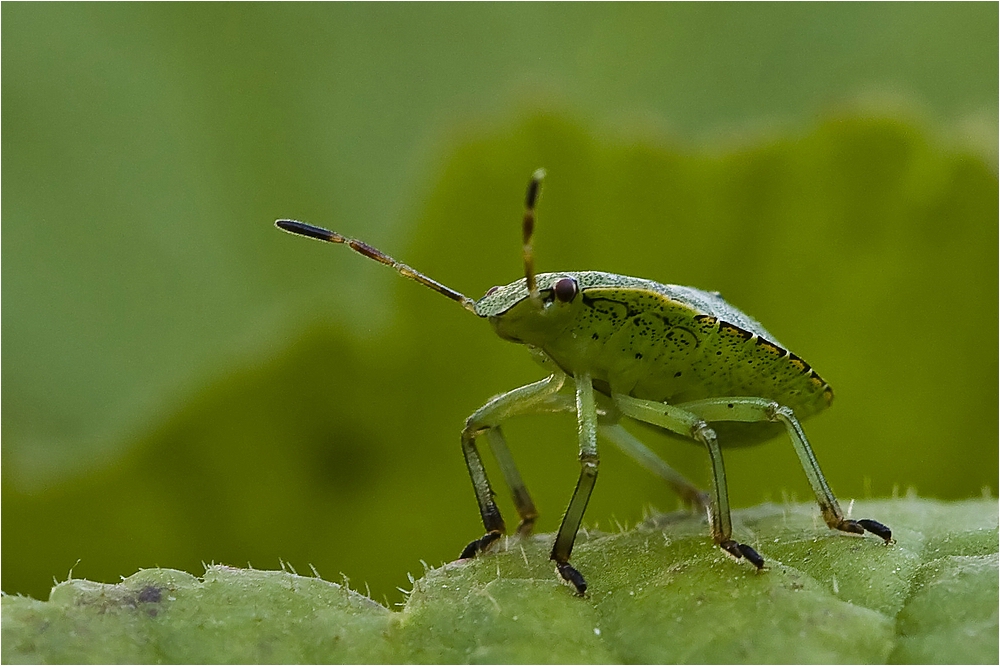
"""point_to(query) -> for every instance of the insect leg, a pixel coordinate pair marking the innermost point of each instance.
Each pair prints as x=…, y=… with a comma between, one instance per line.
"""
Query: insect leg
x=639, y=452
x=519, y=492
x=762, y=409
x=688, y=424
x=501, y=453
x=539, y=396
x=586, y=414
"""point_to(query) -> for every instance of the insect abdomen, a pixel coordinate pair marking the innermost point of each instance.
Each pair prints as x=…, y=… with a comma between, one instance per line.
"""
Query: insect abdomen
x=644, y=344
x=738, y=362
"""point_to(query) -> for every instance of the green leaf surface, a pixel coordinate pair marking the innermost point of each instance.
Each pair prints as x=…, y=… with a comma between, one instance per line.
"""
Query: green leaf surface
x=658, y=593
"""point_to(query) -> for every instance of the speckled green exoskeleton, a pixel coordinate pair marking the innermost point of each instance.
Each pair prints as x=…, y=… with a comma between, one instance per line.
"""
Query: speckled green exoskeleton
x=678, y=358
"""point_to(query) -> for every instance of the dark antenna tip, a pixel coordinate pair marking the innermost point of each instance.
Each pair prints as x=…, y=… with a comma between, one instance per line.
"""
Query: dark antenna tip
x=308, y=230
x=533, y=187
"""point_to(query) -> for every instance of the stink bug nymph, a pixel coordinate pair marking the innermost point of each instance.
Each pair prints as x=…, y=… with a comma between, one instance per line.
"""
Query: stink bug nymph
x=674, y=357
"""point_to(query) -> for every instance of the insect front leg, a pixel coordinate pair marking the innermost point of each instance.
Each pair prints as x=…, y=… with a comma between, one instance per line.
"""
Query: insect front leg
x=586, y=413
x=537, y=397
x=691, y=425
x=760, y=409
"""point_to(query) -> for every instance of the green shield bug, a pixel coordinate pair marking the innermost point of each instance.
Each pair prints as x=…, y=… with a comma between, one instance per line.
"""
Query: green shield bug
x=674, y=357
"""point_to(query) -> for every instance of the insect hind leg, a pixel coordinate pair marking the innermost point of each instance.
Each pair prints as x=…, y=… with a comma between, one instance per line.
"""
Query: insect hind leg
x=749, y=409
x=683, y=422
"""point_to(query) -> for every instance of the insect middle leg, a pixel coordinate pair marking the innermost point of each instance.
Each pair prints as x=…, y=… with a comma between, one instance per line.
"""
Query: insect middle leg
x=688, y=424
x=761, y=409
x=586, y=410
x=539, y=396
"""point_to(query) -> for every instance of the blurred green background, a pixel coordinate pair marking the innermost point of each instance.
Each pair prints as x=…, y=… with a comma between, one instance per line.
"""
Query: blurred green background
x=182, y=383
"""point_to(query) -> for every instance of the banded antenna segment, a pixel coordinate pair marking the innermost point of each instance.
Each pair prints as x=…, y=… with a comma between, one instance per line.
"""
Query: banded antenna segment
x=528, y=230
x=362, y=248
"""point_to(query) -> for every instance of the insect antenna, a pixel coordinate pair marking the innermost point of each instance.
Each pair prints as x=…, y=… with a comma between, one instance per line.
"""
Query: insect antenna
x=528, y=230
x=319, y=233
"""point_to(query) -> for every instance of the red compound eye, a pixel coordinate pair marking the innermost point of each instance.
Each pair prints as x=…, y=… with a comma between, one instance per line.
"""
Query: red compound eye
x=491, y=290
x=566, y=289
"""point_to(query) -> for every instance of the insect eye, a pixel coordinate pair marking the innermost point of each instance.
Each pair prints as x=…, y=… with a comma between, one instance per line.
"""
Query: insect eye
x=491, y=290
x=566, y=289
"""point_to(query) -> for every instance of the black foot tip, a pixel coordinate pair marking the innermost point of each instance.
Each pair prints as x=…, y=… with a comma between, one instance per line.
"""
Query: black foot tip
x=732, y=548
x=878, y=529
x=479, y=545
x=572, y=576
x=752, y=555
x=741, y=550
